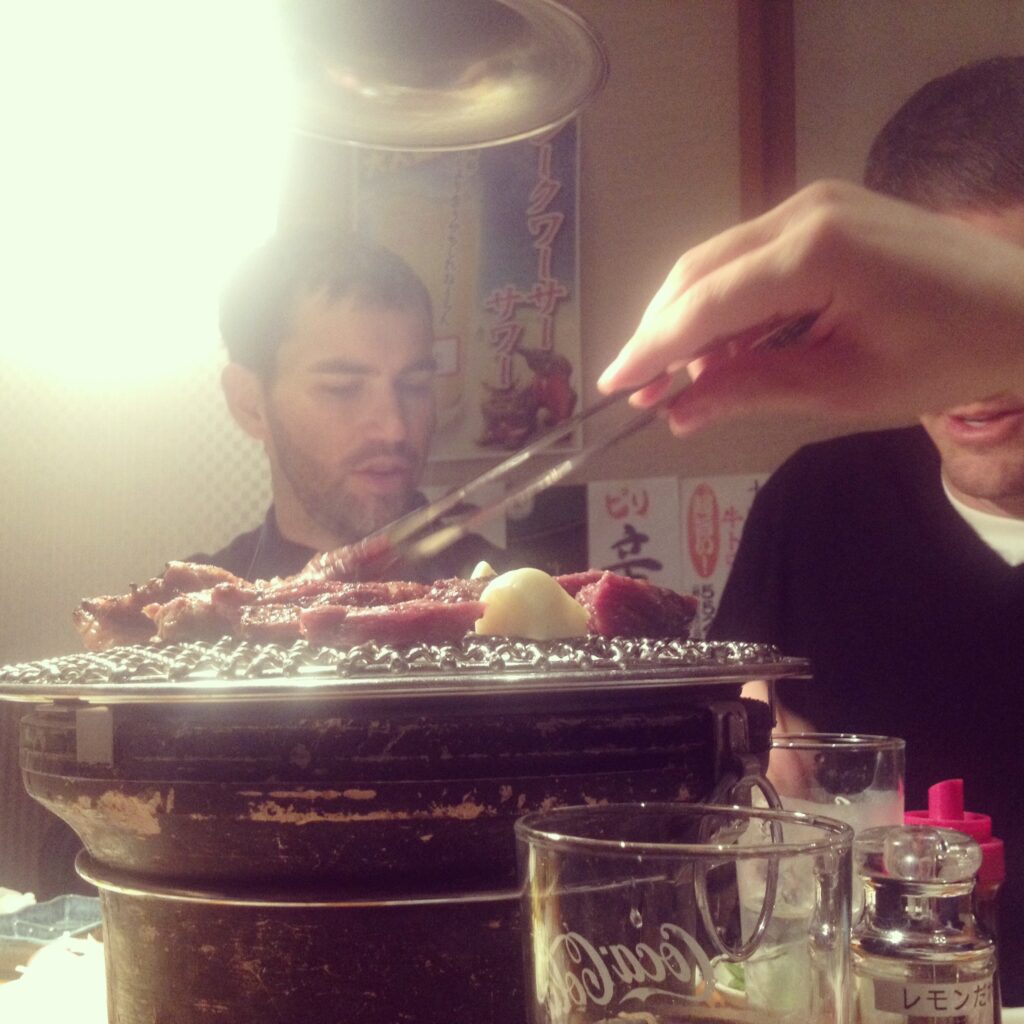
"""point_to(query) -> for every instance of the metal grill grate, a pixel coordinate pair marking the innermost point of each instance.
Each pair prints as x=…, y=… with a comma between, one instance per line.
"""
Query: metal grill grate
x=229, y=670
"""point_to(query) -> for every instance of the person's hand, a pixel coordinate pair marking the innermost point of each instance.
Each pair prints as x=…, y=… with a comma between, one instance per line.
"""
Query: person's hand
x=915, y=312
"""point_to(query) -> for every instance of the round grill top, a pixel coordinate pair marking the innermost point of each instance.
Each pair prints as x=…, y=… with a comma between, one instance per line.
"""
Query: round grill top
x=476, y=666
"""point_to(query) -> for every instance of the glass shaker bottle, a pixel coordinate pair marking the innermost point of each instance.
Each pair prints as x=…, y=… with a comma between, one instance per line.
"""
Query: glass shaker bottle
x=946, y=810
x=918, y=955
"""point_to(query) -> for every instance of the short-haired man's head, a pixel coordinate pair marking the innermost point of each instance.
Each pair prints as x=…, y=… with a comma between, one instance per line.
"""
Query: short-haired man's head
x=259, y=303
x=958, y=142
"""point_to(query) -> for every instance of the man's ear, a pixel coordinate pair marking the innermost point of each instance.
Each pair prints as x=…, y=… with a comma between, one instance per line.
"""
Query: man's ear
x=243, y=390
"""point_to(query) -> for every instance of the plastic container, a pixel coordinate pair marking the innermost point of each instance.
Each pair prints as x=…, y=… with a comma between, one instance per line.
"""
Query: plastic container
x=25, y=932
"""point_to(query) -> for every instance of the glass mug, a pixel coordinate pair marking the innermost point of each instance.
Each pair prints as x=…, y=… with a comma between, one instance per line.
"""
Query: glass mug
x=658, y=913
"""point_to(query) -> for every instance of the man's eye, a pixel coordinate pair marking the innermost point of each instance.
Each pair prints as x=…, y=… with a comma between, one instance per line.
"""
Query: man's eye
x=341, y=390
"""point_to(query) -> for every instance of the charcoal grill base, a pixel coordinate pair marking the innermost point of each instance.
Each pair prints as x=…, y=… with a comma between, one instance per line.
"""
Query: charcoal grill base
x=195, y=957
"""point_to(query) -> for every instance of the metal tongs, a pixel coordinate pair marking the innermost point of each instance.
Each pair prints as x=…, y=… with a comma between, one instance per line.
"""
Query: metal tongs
x=411, y=539
x=420, y=534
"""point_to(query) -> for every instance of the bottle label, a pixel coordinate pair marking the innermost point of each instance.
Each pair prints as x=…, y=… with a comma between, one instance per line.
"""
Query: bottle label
x=967, y=999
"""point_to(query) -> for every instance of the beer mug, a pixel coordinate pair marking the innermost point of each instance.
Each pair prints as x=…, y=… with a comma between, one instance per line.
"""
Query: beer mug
x=659, y=913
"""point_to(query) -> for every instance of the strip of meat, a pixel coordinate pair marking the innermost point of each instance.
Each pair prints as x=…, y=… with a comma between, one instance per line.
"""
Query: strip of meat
x=305, y=592
x=187, y=617
x=111, y=620
x=105, y=622
x=230, y=599
x=274, y=621
x=203, y=614
x=270, y=623
x=456, y=589
x=185, y=577
x=621, y=606
x=407, y=622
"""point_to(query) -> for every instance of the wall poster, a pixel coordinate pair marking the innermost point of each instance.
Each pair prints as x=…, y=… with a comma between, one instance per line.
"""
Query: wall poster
x=714, y=510
x=493, y=233
x=633, y=528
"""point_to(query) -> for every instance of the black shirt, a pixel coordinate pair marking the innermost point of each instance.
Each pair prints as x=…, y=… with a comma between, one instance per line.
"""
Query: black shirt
x=853, y=557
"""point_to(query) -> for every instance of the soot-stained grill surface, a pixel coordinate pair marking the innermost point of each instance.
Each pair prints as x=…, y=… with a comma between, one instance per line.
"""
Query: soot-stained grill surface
x=232, y=761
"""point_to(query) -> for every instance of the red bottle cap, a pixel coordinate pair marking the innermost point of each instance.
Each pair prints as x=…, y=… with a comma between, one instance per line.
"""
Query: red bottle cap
x=946, y=810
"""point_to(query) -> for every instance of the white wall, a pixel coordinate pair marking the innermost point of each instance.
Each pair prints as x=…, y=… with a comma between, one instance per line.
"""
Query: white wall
x=858, y=60
x=101, y=487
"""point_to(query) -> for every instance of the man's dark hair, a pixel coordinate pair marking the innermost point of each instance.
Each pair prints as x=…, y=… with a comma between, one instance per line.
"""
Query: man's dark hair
x=958, y=142
x=258, y=304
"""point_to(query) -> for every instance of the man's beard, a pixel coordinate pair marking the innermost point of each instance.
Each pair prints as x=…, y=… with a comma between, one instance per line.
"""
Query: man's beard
x=327, y=497
x=350, y=516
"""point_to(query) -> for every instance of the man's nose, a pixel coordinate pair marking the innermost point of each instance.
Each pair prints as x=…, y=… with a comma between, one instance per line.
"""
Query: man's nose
x=386, y=417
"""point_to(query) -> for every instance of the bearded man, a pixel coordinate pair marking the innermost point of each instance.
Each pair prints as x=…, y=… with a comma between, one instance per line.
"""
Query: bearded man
x=330, y=346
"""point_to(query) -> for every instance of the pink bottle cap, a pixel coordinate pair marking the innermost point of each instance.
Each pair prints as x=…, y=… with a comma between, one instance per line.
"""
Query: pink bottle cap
x=946, y=810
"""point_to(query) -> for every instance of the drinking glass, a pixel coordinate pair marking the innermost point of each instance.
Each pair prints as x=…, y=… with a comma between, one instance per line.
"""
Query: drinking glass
x=659, y=913
x=855, y=778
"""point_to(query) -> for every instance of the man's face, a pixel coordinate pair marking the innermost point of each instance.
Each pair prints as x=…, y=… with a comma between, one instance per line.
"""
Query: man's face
x=349, y=415
x=982, y=443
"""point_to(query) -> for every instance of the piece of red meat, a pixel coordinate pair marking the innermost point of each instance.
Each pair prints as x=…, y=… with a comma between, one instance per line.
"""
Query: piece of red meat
x=573, y=582
x=456, y=589
x=203, y=614
x=229, y=600
x=621, y=606
x=270, y=623
x=111, y=620
x=304, y=592
x=408, y=622
x=185, y=577
x=104, y=622
x=188, y=617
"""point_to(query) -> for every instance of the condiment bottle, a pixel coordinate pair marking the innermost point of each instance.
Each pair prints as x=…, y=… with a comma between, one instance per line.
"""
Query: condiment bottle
x=918, y=955
x=946, y=810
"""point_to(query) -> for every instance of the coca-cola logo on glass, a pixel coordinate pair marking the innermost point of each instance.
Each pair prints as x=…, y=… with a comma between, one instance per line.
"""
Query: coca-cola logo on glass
x=581, y=972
